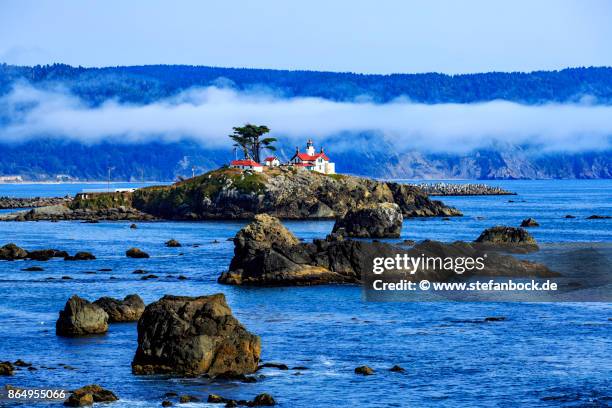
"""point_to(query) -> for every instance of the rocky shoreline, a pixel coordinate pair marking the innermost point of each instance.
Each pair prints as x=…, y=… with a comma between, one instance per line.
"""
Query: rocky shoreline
x=7, y=203
x=451, y=189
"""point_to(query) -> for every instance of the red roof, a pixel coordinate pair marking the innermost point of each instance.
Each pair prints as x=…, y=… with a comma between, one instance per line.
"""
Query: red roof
x=245, y=162
x=307, y=157
x=271, y=158
x=304, y=164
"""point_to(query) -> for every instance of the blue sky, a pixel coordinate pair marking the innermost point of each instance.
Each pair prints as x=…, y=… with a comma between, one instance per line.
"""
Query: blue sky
x=379, y=36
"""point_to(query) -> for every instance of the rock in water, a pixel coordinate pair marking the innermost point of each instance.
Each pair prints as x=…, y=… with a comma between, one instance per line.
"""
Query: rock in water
x=173, y=243
x=80, y=256
x=264, y=232
x=194, y=336
x=80, y=318
x=507, y=237
x=529, y=222
x=364, y=370
x=11, y=252
x=382, y=220
x=89, y=394
x=285, y=193
x=6, y=368
x=267, y=254
x=127, y=310
x=46, y=254
x=136, y=253
x=599, y=217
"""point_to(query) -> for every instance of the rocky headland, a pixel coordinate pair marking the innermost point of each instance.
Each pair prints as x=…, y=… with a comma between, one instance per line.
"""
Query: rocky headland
x=267, y=254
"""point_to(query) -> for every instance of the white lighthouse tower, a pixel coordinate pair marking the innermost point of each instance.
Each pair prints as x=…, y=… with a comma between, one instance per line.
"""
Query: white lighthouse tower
x=310, y=150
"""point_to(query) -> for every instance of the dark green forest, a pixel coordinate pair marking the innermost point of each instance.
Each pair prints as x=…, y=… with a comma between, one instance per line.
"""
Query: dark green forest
x=142, y=84
x=47, y=157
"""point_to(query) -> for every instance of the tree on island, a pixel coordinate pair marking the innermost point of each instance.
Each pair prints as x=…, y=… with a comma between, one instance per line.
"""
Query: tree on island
x=248, y=139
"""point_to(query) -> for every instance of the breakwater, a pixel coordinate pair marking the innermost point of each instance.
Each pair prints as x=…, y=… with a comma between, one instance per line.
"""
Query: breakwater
x=469, y=189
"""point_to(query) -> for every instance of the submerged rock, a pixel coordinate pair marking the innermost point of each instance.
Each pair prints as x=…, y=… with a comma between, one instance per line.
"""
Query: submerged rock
x=11, y=252
x=397, y=369
x=599, y=217
x=127, y=310
x=89, y=394
x=136, y=253
x=33, y=269
x=80, y=318
x=261, y=400
x=194, y=336
x=382, y=220
x=529, y=222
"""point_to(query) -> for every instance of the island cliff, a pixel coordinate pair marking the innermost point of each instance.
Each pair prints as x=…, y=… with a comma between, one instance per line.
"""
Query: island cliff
x=287, y=193
x=229, y=193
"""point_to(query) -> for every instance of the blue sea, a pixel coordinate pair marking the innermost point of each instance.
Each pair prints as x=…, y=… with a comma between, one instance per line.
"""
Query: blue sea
x=543, y=355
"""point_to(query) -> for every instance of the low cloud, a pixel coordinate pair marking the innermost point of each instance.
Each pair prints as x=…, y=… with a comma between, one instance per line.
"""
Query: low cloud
x=208, y=114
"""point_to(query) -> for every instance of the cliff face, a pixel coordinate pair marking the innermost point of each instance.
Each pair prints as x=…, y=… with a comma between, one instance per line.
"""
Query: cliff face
x=281, y=192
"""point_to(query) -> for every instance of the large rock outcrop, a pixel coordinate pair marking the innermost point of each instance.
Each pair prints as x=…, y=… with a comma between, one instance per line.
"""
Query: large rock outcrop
x=382, y=220
x=127, y=310
x=80, y=318
x=263, y=259
x=282, y=192
x=194, y=336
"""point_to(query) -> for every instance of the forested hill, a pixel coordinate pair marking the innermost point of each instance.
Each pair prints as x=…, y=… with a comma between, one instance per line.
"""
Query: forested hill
x=142, y=84
x=49, y=157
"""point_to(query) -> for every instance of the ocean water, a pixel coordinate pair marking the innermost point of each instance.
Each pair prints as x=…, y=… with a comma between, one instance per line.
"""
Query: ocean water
x=544, y=354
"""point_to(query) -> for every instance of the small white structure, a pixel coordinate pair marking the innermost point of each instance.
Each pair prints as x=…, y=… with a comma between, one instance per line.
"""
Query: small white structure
x=247, y=164
x=311, y=160
x=272, y=161
x=11, y=179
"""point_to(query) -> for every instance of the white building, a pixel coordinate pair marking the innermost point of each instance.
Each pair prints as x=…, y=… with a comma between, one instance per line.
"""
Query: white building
x=272, y=161
x=311, y=160
x=247, y=164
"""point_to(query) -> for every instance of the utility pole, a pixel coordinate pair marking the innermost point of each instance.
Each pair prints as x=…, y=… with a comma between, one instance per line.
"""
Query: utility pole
x=109, y=177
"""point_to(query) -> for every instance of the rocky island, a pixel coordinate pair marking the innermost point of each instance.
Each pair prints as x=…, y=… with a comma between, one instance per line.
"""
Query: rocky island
x=231, y=193
x=268, y=254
